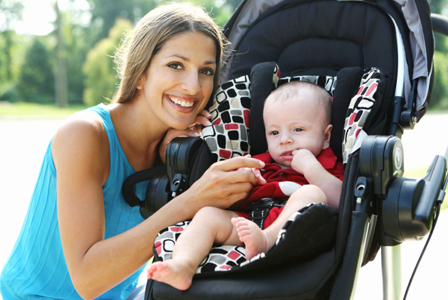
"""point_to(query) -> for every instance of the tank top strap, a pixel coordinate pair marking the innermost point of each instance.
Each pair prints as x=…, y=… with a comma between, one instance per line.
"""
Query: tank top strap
x=118, y=158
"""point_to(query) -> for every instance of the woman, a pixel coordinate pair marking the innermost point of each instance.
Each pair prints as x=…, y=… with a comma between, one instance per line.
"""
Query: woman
x=80, y=239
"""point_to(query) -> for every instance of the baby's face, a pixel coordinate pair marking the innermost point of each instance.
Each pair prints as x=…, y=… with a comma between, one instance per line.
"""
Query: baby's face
x=295, y=124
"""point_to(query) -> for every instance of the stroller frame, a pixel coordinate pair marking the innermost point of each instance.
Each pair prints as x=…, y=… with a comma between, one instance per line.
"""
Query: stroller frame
x=411, y=98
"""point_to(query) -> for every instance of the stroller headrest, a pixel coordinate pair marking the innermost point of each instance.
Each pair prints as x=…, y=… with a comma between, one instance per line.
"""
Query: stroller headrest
x=341, y=87
x=239, y=105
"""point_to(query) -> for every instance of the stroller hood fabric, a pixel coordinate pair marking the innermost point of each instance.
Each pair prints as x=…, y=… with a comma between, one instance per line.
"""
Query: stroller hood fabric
x=417, y=17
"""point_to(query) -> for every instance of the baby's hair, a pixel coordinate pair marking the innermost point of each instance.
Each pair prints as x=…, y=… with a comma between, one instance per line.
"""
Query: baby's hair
x=293, y=89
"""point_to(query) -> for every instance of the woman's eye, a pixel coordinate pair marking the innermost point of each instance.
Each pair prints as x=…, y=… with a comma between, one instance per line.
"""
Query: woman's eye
x=298, y=129
x=208, y=72
x=176, y=66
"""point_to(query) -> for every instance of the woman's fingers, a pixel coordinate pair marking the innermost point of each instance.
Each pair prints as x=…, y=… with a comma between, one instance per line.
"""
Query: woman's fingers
x=203, y=118
x=239, y=162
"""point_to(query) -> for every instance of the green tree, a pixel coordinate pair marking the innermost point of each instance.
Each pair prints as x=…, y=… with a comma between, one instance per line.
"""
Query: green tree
x=100, y=79
x=78, y=41
x=439, y=97
x=10, y=13
x=437, y=6
x=36, y=79
x=106, y=12
x=61, y=61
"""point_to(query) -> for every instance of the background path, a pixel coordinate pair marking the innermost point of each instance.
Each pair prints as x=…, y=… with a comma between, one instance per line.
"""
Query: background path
x=23, y=143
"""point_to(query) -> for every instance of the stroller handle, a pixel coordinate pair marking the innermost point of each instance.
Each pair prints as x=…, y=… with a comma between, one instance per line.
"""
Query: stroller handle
x=410, y=206
x=439, y=24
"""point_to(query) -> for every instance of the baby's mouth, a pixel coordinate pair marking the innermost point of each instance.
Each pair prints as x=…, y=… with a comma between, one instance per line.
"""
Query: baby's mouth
x=181, y=102
x=287, y=155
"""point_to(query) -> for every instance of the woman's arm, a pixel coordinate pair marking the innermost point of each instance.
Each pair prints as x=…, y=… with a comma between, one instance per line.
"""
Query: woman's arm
x=81, y=155
x=307, y=164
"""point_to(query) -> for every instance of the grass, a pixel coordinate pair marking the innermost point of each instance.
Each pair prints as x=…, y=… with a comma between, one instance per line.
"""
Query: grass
x=24, y=109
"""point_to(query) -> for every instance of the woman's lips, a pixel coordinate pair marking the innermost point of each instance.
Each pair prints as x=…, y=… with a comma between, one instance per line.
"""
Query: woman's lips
x=181, y=102
x=183, y=105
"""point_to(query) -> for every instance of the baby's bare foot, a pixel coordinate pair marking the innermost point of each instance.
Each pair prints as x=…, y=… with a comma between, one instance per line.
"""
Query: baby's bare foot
x=254, y=239
x=170, y=272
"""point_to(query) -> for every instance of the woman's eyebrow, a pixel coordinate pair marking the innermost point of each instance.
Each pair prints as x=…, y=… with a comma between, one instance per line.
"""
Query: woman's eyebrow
x=207, y=62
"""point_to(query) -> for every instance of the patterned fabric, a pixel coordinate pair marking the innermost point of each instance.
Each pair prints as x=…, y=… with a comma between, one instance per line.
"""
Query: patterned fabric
x=228, y=135
x=327, y=82
x=358, y=111
x=222, y=258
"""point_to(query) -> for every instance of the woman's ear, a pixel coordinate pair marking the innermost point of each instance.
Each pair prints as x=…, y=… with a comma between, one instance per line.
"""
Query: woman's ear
x=327, y=134
x=141, y=82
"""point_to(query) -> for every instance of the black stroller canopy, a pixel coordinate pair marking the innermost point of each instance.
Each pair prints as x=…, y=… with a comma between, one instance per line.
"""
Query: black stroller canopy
x=355, y=33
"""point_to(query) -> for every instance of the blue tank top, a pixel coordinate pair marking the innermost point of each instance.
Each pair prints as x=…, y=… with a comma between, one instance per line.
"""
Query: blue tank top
x=36, y=267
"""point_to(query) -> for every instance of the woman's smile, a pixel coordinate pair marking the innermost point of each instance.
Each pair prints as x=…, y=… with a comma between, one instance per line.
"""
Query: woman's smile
x=179, y=79
x=185, y=103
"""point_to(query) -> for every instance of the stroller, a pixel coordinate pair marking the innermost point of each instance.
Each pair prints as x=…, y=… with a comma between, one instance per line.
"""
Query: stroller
x=375, y=59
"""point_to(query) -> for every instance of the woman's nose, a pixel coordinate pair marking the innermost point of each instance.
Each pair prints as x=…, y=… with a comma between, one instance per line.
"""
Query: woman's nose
x=191, y=83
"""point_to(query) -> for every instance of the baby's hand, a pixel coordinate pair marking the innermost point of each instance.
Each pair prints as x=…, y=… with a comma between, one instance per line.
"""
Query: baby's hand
x=303, y=160
x=257, y=173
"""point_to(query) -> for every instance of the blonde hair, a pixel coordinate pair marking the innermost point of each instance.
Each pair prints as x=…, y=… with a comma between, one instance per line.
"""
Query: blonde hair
x=293, y=90
x=150, y=35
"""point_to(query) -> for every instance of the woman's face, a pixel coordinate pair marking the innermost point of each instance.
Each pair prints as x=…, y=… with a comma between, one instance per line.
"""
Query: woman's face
x=179, y=79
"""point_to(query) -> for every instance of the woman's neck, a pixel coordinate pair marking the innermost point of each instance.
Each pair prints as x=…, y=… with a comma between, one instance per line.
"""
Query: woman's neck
x=138, y=134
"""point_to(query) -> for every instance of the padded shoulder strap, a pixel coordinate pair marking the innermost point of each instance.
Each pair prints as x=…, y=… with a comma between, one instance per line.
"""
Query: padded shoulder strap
x=361, y=109
x=264, y=78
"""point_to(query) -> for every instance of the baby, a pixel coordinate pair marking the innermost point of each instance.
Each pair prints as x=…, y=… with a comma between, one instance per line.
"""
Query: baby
x=299, y=166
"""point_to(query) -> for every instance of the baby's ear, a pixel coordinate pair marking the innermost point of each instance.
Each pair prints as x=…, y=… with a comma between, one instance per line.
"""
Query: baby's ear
x=327, y=133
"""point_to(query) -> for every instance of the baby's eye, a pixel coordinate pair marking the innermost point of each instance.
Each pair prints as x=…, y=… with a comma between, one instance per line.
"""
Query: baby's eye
x=176, y=66
x=298, y=129
x=274, y=132
x=208, y=72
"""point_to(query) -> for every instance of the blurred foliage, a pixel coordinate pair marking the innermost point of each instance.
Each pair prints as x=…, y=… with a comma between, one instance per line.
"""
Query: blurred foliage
x=439, y=99
x=91, y=34
x=91, y=37
x=36, y=78
x=100, y=79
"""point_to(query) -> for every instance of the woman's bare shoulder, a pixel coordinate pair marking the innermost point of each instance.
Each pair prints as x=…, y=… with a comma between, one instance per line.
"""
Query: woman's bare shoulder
x=81, y=139
x=84, y=126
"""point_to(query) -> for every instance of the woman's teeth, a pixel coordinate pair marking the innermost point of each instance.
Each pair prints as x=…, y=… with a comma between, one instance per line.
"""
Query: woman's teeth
x=181, y=102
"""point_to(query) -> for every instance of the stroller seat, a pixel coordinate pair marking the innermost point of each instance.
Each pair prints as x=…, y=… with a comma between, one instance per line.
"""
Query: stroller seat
x=349, y=47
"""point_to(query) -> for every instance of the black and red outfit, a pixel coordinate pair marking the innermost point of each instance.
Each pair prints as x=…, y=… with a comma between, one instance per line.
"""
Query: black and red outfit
x=281, y=183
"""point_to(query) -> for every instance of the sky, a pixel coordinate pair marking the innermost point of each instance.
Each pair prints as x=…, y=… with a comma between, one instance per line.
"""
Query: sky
x=39, y=15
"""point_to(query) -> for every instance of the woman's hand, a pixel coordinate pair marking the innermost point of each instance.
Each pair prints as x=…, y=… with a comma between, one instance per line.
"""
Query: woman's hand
x=257, y=173
x=223, y=184
x=194, y=130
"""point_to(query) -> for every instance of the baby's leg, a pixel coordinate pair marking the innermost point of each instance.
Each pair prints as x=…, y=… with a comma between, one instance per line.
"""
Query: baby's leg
x=257, y=240
x=210, y=225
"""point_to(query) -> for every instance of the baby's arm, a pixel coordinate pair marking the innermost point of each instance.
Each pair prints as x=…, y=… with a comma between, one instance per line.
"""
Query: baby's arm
x=307, y=164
